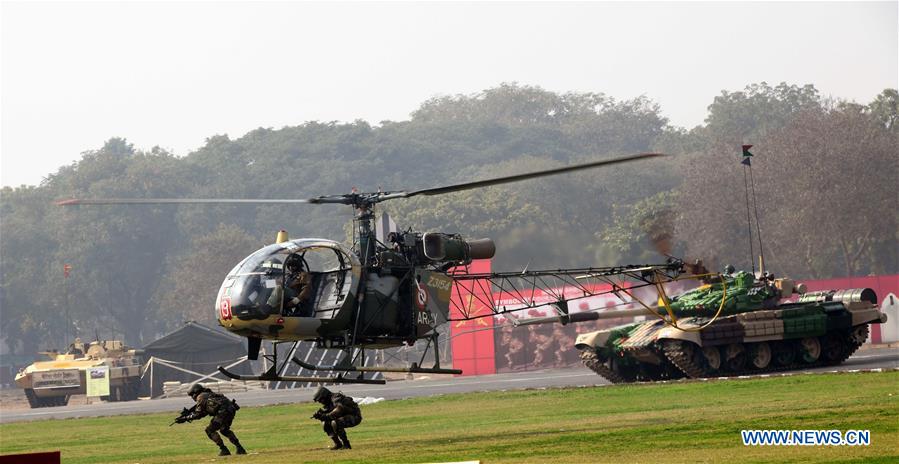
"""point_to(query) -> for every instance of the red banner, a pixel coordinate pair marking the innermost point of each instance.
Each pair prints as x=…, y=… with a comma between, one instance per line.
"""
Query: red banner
x=472, y=339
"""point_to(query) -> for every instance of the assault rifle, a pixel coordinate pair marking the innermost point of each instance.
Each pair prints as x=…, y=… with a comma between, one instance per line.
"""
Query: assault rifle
x=185, y=416
x=321, y=415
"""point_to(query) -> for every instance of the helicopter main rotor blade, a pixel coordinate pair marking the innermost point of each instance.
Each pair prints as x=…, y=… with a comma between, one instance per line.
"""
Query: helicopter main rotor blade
x=177, y=201
x=357, y=199
x=518, y=177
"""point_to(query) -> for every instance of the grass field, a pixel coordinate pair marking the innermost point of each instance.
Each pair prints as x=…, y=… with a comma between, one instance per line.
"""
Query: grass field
x=678, y=422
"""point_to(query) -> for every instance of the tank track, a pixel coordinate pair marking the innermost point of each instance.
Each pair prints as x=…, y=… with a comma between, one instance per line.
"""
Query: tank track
x=853, y=346
x=676, y=352
x=592, y=361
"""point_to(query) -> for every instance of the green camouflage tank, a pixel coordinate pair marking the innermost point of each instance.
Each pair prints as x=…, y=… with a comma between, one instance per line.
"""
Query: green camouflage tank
x=754, y=333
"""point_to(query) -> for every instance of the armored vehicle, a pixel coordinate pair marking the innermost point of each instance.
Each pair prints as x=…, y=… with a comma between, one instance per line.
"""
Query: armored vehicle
x=51, y=383
x=735, y=324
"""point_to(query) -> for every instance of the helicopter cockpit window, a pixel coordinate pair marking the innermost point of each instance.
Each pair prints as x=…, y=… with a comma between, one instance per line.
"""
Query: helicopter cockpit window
x=290, y=281
x=315, y=278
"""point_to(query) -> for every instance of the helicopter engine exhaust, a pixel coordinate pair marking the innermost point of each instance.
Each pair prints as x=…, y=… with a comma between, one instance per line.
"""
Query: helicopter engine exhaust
x=446, y=247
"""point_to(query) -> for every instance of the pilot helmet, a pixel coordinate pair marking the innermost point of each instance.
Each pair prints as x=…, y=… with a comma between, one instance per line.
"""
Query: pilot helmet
x=294, y=264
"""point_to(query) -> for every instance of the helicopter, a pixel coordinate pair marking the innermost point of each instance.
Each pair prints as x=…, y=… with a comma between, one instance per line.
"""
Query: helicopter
x=387, y=293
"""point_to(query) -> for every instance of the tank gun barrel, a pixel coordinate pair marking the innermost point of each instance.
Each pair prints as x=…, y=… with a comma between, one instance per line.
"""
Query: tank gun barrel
x=582, y=317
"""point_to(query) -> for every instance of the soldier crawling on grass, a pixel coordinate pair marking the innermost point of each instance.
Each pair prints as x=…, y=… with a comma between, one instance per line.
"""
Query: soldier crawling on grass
x=338, y=412
x=222, y=411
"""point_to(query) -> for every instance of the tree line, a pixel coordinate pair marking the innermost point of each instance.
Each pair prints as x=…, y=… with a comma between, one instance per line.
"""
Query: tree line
x=824, y=172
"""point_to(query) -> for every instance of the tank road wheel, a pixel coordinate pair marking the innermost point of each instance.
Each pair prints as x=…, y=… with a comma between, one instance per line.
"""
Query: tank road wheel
x=785, y=353
x=627, y=372
x=712, y=357
x=760, y=355
x=810, y=348
x=833, y=348
x=735, y=356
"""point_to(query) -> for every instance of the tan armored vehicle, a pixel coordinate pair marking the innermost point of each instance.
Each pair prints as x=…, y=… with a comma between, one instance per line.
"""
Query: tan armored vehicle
x=51, y=383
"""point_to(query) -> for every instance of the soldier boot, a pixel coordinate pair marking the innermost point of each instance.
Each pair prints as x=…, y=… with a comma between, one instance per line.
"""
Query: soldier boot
x=337, y=444
x=214, y=436
x=343, y=438
x=233, y=438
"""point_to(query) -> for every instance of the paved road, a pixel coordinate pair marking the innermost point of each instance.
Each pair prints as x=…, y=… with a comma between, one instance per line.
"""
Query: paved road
x=884, y=358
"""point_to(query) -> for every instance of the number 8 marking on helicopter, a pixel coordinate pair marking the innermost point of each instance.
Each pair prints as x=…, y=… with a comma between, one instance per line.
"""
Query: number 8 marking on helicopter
x=225, y=308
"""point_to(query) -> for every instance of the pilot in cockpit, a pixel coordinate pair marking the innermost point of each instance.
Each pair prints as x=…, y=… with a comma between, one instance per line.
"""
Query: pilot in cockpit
x=295, y=293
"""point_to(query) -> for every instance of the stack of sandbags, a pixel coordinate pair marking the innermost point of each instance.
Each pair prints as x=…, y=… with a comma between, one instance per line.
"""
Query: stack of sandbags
x=224, y=387
x=235, y=386
x=174, y=388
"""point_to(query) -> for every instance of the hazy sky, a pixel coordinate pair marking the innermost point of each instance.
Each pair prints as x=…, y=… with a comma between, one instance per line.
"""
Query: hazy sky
x=172, y=74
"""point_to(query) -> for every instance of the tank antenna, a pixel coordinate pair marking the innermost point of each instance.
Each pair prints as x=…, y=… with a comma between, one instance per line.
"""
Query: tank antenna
x=745, y=163
x=755, y=205
x=758, y=226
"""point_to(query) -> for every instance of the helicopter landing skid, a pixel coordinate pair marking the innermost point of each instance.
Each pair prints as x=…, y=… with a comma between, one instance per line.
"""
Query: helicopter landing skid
x=272, y=376
x=413, y=369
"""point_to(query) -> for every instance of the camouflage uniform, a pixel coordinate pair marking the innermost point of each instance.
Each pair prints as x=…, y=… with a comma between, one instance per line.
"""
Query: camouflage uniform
x=338, y=412
x=222, y=411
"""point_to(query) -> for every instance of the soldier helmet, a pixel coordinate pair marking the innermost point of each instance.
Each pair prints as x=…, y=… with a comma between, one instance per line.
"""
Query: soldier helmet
x=195, y=390
x=321, y=395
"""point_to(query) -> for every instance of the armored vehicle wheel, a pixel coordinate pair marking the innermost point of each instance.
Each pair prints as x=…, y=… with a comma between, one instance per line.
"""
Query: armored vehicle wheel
x=785, y=353
x=712, y=357
x=760, y=355
x=833, y=348
x=735, y=355
x=810, y=348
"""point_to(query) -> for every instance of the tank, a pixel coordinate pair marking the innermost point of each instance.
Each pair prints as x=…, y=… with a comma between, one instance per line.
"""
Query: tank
x=52, y=382
x=757, y=330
